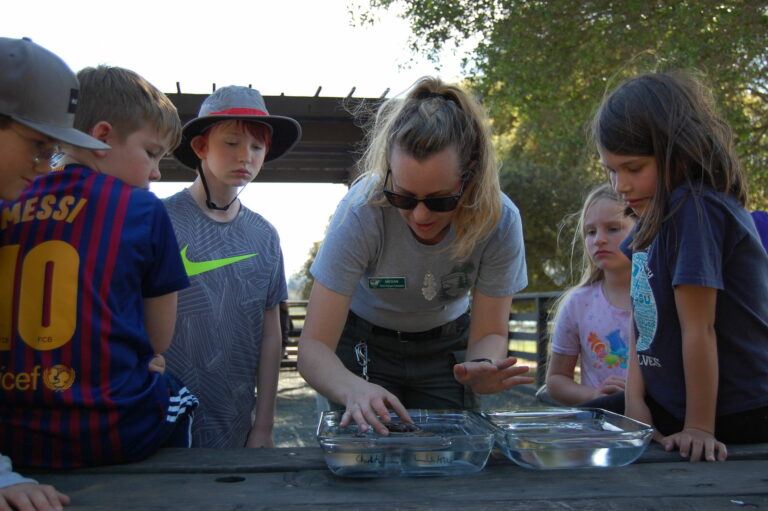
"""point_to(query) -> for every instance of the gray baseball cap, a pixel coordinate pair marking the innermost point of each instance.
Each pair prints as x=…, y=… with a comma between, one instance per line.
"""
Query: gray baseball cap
x=238, y=103
x=38, y=90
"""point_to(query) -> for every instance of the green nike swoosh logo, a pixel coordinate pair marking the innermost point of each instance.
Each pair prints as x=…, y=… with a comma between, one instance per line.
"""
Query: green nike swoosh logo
x=198, y=267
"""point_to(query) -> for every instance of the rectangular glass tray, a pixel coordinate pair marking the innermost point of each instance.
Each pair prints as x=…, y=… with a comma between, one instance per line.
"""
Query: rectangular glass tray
x=556, y=438
x=446, y=443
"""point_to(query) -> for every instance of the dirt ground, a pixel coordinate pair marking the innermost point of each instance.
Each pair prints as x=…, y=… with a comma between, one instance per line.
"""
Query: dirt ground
x=297, y=412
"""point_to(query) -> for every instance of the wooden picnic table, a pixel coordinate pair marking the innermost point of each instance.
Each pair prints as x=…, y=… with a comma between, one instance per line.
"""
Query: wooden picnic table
x=298, y=479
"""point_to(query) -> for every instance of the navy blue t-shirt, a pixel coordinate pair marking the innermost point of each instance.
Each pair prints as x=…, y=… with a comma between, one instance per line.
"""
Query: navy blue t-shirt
x=761, y=223
x=707, y=240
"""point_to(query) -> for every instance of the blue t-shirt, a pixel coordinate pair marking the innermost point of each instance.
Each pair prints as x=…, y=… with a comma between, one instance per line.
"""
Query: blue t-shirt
x=761, y=223
x=707, y=240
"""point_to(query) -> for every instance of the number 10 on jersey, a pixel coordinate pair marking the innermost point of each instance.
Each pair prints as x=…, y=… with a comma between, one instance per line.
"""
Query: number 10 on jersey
x=42, y=295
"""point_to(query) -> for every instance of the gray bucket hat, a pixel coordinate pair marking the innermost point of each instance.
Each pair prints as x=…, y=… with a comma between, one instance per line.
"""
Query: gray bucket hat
x=38, y=90
x=237, y=103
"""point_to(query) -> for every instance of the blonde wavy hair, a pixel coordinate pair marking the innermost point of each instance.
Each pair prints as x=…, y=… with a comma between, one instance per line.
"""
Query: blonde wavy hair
x=431, y=117
x=590, y=272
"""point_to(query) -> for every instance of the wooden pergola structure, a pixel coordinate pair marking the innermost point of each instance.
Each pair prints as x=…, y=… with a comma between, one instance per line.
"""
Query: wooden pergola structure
x=328, y=149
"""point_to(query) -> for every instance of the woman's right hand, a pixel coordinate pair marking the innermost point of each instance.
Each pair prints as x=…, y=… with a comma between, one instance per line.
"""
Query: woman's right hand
x=368, y=405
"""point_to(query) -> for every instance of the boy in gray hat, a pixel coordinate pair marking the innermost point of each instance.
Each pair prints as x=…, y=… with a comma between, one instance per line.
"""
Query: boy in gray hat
x=227, y=338
x=38, y=96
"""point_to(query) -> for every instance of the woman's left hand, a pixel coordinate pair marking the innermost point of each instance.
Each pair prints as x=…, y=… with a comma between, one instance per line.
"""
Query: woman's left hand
x=491, y=377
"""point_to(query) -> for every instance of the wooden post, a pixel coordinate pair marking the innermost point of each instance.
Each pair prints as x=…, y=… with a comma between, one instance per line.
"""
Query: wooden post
x=542, y=338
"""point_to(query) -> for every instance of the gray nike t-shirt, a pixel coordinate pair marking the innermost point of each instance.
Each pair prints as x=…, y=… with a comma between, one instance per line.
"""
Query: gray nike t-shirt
x=236, y=273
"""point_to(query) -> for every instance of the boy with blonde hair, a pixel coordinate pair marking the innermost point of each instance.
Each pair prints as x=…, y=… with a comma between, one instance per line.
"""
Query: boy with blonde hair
x=90, y=300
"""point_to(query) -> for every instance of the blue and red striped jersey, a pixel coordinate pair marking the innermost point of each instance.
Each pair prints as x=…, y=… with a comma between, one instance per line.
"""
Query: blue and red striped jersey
x=79, y=253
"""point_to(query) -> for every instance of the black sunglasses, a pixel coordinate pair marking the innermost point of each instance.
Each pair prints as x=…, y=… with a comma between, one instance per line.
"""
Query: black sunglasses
x=436, y=204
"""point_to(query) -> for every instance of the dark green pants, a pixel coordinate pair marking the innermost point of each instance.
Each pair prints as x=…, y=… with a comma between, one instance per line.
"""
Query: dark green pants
x=418, y=372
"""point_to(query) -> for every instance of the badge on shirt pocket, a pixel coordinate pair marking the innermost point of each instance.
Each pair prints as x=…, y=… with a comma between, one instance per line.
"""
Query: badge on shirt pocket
x=386, y=283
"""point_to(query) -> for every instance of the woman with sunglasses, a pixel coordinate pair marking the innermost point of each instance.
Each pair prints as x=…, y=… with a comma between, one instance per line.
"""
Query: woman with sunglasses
x=423, y=234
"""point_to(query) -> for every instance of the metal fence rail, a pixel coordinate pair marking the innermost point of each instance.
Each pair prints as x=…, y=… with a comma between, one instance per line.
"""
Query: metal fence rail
x=532, y=324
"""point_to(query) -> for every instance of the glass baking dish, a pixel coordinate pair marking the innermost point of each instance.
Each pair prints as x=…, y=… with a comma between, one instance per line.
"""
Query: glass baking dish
x=441, y=443
x=556, y=438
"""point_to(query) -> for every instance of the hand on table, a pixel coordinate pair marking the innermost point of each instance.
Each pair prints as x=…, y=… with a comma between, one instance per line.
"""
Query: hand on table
x=32, y=497
x=491, y=377
x=695, y=444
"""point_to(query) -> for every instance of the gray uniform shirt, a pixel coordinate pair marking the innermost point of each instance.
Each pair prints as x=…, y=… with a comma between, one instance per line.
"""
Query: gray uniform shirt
x=396, y=282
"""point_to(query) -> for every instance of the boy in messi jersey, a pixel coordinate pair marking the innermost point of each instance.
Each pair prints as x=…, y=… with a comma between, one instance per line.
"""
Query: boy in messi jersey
x=228, y=338
x=38, y=96
x=91, y=271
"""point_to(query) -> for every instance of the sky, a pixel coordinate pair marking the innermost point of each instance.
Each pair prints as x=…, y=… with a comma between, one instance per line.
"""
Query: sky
x=278, y=46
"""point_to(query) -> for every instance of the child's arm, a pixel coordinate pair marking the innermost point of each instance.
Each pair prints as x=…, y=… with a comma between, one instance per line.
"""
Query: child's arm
x=562, y=386
x=634, y=392
x=269, y=370
x=160, y=320
x=696, y=311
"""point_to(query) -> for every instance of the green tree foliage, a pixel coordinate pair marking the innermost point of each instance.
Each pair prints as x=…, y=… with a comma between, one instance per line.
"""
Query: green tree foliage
x=542, y=68
x=304, y=276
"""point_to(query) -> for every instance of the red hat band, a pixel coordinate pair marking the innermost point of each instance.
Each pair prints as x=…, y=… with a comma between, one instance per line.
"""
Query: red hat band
x=239, y=111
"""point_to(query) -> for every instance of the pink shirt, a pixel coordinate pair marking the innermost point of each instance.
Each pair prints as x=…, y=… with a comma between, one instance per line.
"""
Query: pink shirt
x=591, y=327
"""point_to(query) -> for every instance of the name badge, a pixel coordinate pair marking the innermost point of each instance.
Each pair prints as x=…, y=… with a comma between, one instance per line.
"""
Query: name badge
x=386, y=282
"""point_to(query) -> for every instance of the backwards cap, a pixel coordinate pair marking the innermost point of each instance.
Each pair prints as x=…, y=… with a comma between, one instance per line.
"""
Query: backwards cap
x=38, y=90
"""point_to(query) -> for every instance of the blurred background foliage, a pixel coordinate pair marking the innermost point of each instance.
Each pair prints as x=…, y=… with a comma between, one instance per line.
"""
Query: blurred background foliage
x=542, y=67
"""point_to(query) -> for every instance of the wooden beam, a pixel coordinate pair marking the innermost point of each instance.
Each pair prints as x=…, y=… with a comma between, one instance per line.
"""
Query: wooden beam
x=326, y=153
